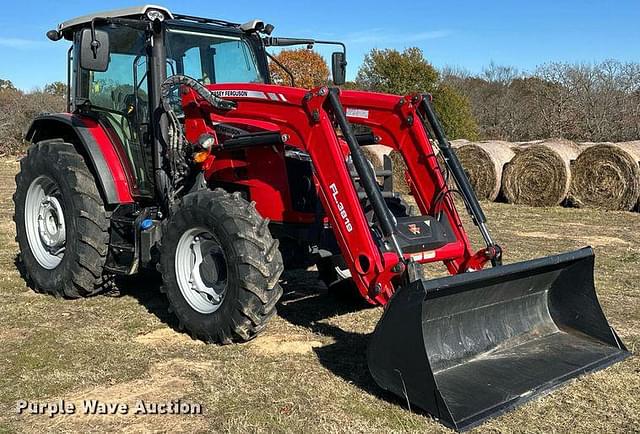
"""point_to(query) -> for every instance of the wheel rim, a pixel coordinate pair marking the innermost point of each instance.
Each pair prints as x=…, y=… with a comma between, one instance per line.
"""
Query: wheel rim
x=44, y=222
x=201, y=270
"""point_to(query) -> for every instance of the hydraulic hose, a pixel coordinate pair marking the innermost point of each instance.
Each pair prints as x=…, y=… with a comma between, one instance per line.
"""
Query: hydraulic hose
x=179, y=80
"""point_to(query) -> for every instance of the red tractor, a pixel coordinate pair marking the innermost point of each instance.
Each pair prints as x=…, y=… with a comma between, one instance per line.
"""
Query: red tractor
x=177, y=152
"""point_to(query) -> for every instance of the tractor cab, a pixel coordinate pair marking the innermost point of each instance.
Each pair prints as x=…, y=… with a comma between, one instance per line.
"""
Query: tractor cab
x=119, y=59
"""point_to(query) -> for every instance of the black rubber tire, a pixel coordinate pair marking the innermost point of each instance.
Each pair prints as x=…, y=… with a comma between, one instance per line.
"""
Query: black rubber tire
x=345, y=288
x=254, y=265
x=80, y=273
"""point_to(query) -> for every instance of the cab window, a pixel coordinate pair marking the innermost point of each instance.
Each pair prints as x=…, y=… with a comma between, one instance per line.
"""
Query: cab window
x=213, y=58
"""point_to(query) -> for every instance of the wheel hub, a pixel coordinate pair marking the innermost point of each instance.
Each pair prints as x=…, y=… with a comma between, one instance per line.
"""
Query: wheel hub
x=51, y=227
x=44, y=222
x=201, y=270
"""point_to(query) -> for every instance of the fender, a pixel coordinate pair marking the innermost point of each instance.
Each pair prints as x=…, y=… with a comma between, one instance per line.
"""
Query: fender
x=112, y=173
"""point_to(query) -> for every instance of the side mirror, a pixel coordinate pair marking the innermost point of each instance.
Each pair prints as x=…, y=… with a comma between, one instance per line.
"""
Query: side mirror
x=338, y=68
x=94, y=50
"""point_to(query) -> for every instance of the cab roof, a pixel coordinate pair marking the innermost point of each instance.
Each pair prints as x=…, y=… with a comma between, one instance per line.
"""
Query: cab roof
x=132, y=12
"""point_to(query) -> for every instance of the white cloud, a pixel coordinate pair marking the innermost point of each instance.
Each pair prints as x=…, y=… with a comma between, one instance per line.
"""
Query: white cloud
x=380, y=36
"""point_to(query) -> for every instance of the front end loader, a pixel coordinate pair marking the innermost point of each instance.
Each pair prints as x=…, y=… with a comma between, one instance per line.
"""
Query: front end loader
x=177, y=152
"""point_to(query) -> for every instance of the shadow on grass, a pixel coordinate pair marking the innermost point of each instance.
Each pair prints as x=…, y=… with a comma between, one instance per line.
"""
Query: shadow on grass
x=145, y=288
x=305, y=303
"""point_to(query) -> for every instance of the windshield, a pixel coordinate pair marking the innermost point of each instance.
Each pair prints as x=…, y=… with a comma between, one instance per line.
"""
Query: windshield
x=211, y=58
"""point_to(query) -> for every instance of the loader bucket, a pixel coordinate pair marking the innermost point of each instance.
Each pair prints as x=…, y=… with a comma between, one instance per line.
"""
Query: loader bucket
x=472, y=346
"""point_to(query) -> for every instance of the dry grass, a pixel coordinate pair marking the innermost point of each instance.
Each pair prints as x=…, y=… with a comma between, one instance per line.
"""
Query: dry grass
x=308, y=371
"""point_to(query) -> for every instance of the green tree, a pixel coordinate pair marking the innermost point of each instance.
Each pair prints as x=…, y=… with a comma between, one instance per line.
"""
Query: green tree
x=391, y=71
x=56, y=88
x=401, y=73
x=454, y=111
x=7, y=85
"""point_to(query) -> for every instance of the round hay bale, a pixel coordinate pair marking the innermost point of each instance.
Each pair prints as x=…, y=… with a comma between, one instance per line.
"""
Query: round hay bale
x=458, y=142
x=376, y=154
x=540, y=174
x=585, y=145
x=528, y=143
x=399, y=167
x=483, y=163
x=607, y=176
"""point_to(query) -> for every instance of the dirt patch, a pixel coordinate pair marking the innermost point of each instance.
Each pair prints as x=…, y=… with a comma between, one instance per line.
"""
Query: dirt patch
x=274, y=345
x=545, y=235
x=165, y=336
x=602, y=241
x=576, y=224
x=13, y=334
x=592, y=240
x=168, y=383
x=165, y=381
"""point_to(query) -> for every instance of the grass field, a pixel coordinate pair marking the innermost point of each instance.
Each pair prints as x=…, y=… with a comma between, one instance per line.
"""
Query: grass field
x=307, y=372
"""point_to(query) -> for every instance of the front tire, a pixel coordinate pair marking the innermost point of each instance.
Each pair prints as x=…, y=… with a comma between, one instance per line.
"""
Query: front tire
x=220, y=267
x=61, y=223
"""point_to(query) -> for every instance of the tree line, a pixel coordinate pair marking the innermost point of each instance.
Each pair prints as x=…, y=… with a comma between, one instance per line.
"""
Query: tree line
x=18, y=108
x=582, y=102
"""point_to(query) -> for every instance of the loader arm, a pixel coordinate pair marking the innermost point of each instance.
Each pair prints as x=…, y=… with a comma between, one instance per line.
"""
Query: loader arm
x=396, y=123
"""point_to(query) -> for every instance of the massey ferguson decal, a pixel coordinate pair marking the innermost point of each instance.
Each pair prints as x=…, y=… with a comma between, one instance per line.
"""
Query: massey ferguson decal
x=240, y=93
x=343, y=212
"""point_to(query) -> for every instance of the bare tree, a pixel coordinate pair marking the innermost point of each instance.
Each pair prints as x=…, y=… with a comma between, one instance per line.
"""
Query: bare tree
x=17, y=110
x=591, y=102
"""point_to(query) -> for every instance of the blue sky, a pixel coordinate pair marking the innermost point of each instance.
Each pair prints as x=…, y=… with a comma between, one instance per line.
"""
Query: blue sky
x=468, y=34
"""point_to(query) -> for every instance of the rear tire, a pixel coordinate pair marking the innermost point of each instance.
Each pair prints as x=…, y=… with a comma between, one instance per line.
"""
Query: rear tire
x=61, y=223
x=232, y=294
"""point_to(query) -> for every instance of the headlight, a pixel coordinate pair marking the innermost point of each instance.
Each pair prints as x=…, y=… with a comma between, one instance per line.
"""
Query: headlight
x=206, y=141
x=153, y=15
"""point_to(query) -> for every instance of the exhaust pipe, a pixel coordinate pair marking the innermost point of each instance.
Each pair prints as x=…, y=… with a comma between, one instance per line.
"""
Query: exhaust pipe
x=472, y=346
